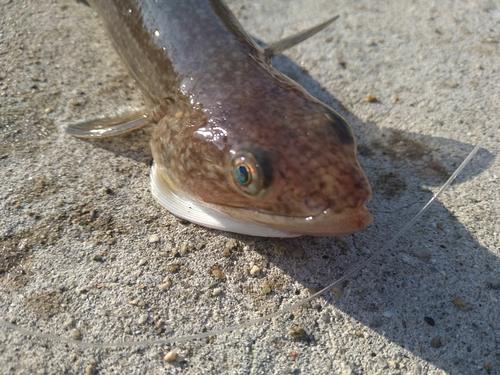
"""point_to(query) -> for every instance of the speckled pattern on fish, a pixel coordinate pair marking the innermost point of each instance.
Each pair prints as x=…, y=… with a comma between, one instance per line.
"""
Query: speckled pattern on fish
x=214, y=94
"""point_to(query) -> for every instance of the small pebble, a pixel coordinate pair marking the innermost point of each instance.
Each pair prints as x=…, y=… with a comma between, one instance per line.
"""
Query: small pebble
x=297, y=333
x=127, y=330
x=170, y=356
x=142, y=262
x=388, y=314
x=174, y=268
x=429, y=321
x=76, y=334
x=337, y=293
x=487, y=367
x=216, y=291
x=436, y=342
x=255, y=270
x=461, y=304
x=49, y=110
x=422, y=253
x=370, y=98
x=154, y=238
x=218, y=273
x=493, y=282
x=279, y=250
x=143, y=319
x=90, y=369
x=326, y=318
x=184, y=249
x=345, y=369
x=97, y=258
x=231, y=244
x=166, y=284
x=68, y=323
x=266, y=289
x=393, y=364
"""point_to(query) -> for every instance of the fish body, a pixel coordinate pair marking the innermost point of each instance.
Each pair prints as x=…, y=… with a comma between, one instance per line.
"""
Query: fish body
x=238, y=146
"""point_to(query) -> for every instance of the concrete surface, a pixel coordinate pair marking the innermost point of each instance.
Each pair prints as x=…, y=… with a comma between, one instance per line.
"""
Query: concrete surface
x=78, y=224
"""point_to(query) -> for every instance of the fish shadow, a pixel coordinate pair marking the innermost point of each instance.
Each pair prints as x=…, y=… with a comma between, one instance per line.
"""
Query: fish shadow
x=421, y=294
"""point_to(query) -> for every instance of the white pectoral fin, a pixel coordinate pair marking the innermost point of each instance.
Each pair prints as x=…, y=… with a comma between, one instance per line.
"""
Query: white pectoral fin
x=201, y=214
x=108, y=127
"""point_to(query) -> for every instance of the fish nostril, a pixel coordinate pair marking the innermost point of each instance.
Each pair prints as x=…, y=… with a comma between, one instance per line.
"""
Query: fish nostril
x=340, y=127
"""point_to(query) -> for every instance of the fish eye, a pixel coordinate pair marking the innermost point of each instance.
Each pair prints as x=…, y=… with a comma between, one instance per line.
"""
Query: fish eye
x=246, y=173
x=243, y=174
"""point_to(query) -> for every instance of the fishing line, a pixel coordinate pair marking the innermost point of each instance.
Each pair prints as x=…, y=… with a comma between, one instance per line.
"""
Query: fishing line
x=255, y=321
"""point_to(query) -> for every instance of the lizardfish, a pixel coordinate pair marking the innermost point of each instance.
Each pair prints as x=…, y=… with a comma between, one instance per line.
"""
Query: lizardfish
x=238, y=146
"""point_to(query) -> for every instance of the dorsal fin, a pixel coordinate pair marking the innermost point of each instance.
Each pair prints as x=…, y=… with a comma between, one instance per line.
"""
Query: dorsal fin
x=282, y=45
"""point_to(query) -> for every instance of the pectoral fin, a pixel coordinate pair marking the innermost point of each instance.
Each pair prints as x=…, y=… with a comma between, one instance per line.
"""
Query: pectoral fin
x=200, y=213
x=108, y=127
x=278, y=47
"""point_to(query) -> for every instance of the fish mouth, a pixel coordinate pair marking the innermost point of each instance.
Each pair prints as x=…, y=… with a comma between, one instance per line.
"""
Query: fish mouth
x=327, y=223
x=250, y=222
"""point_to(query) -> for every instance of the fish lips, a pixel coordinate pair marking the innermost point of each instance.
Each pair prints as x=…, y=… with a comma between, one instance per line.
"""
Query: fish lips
x=328, y=223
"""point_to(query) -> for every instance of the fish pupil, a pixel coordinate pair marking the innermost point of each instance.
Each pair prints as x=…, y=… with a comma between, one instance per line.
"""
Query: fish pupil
x=242, y=174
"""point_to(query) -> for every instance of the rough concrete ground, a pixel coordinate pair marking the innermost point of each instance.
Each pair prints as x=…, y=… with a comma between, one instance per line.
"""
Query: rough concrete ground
x=77, y=216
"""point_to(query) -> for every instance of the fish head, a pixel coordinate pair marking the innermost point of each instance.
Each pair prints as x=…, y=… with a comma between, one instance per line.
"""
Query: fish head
x=292, y=169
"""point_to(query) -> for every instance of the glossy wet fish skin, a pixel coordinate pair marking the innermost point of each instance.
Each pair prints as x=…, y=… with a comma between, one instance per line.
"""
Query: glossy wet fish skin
x=214, y=94
x=163, y=43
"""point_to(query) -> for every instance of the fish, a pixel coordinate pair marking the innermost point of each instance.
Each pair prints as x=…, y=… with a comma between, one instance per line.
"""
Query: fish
x=238, y=146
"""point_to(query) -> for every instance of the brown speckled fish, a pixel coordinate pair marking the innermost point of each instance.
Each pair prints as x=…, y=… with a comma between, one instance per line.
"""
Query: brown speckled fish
x=238, y=146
